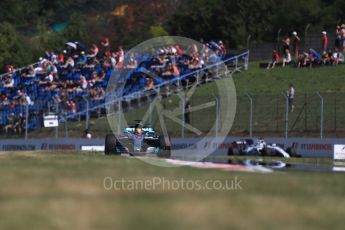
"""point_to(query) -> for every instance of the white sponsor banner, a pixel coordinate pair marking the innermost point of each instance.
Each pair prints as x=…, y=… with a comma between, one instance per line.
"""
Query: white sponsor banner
x=50, y=121
x=94, y=148
x=339, y=152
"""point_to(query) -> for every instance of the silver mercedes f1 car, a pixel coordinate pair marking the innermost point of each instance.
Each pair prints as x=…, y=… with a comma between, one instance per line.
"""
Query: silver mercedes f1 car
x=138, y=141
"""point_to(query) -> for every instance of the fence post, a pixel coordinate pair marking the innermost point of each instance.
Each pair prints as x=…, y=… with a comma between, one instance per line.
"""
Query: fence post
x=57, y=114
x=278, y=40
x=66, y=128
x=335, y=113
x=250, y=114
x=248, y=41
x=183, y=103
x=246, y=62
x=286, y=114
x=26, y=120
x=321, y=114
x=183, y=116
x=119, y=112
x=306, y=36
x=217, y=71
x=48, y=107
x=150, y=115
x=87, y=116
x=217, y=114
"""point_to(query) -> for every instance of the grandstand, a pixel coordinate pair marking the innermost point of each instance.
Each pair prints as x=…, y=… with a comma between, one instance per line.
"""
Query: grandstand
x=73, y=83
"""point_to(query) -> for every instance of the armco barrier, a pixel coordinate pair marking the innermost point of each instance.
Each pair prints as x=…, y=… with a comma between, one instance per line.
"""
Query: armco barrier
x=60, y=144
x=307, y=147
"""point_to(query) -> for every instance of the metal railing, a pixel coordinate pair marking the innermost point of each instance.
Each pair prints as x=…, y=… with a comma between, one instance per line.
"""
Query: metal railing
x=113, y=99
x=318, y=114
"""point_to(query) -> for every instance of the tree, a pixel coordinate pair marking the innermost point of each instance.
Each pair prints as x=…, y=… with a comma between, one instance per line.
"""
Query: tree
x=13, y=49
x=157, y=31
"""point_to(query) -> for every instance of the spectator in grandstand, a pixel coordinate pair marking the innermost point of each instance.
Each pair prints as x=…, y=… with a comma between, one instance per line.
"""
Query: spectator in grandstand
x=4, y=99
x=93, y=51
x=82, y=59
x=150, y=84
x=101, y=76
x=97, y=78
x=342, y=34
x=303, y=60
x=92, y=62
x=170, y=70
x=295, y=44
x=50, y=56
x=20, y=98
x=69, y=64
x=179, y=51
x=196, y=62
x=20, y=123
x=8, y=81
x=27, y=99
x=326, y=58
x=49, y=67
x=338, y=57
x=324, y=39
x=87, y=134
x=31, y=73
x=120, y=54
x=291, y=97
x=9, y=68
x=159, y=60
x=72, y=106
x=83, y=82
x=105, y=47
x=222, y=48
x=132, y=63
x=275, y=60
x=47, y=79
x=173, y=50
x=61, y=57
x=10, y=123
x=113, y=60
x=286, y=50
x=18, y=95
x=97, y=93
x=314, y=57
x=338, y=39
x=94, y=77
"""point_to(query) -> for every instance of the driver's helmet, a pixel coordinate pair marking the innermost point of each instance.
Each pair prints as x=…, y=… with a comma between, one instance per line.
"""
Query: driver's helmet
x=138, y=129
x=260, y=143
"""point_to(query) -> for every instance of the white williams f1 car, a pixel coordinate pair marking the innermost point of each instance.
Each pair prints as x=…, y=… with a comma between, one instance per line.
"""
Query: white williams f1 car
x=250, y=147
x=138, y=141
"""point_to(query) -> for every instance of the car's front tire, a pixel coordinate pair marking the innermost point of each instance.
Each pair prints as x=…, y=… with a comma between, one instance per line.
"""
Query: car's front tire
x=110, y=144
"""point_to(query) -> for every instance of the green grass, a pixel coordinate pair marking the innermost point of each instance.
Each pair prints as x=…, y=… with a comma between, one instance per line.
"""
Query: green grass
x=266, y=87
x=306, y=80
x=65, y=191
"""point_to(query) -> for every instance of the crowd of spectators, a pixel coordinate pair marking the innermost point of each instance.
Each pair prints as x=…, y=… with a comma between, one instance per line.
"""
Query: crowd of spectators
x=64, y=78
x=324, y=55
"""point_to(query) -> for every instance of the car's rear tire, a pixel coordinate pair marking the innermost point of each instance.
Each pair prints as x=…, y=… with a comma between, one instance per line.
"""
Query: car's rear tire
x=110, y=144
x=164, y=147
x=234, y=149
x=269, y=152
